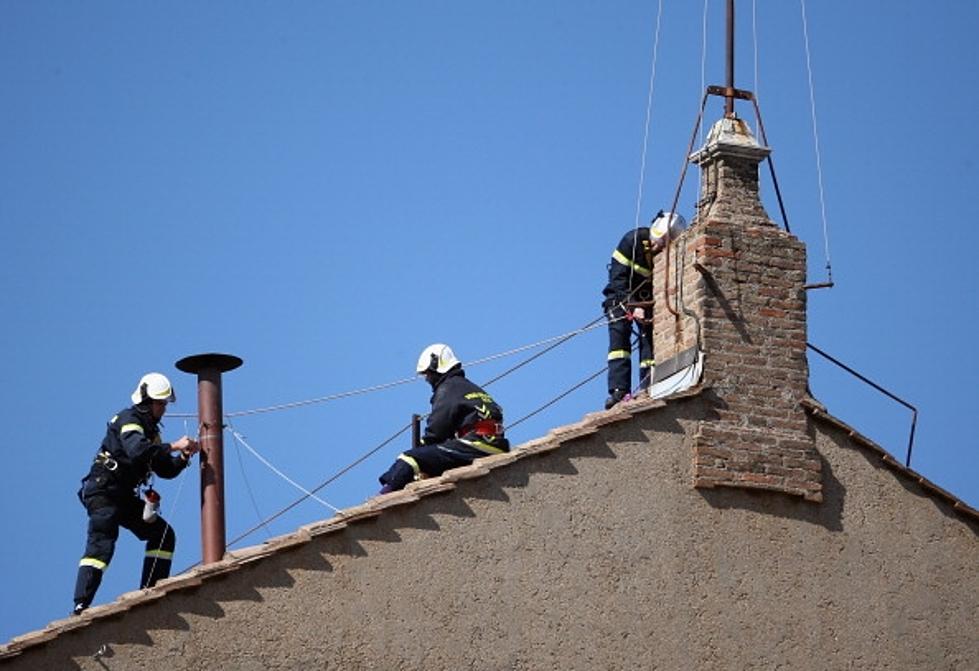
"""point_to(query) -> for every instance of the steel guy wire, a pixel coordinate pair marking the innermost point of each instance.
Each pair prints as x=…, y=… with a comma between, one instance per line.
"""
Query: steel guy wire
x=558, y=397
x=173, y=509
x=703, y=87
x=645, y=139
x=322, y=399
x=387, y=385
x=600, y=321
x=564, y=336
x=383, y=444
x=559, y=341
x=248, y=488
x=754, y=47
x=323, y=484
x=815, y=137
x=241, y=439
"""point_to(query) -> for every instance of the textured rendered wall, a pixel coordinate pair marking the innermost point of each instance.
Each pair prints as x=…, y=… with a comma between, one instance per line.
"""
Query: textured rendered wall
x=599, y=555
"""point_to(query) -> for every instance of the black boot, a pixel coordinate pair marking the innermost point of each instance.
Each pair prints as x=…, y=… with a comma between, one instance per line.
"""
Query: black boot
x=615, y=396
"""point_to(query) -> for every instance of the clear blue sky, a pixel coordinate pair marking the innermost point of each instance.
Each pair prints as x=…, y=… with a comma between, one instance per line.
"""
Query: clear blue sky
x=324, y=188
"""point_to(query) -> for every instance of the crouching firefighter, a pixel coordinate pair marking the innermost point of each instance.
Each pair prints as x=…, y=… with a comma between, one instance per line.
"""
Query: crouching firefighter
x=465, y=423
x=130, y=454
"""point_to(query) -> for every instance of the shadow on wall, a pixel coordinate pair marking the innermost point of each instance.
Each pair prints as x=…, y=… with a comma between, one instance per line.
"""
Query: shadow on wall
x=733, y=315
x=132, y=627
x=828, y=514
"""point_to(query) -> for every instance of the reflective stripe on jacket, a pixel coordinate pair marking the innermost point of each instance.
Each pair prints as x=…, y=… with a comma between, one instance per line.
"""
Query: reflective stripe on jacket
x=462, y=410
x=132, y=440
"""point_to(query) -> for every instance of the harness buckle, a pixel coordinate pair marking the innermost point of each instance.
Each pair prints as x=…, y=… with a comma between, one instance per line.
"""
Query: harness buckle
x=106, y=461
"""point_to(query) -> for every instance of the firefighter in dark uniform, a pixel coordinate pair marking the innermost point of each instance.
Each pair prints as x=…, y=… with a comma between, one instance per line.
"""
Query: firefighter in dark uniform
x=630, y=281
x=130, y=453
x=465, y=423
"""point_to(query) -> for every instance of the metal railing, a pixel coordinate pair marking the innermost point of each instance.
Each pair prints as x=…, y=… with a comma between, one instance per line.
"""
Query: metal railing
x=848, y=369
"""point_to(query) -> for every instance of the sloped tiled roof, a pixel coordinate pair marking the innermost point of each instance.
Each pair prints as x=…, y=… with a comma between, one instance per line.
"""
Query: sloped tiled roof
x=818, y=411
x=415, y=491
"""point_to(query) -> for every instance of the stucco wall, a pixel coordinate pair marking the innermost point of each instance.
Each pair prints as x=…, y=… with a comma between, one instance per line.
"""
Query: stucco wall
x=599, y=555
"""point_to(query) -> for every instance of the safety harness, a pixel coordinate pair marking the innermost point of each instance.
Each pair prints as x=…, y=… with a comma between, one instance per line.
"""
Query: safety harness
x=483, y=427
x=106, y=460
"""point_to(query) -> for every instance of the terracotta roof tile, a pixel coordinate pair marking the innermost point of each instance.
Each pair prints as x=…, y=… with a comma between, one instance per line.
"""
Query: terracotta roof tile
x=314, y=529
x=818, y=411
x=474, y=470
x=374, y=506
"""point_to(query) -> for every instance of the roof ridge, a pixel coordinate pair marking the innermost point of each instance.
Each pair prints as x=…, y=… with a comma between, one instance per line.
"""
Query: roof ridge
x=373, y=507
x=819, y=411
x=370, y=508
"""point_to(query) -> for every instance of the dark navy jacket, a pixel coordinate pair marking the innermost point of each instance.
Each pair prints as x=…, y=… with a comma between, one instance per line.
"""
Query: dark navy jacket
x=132, y=443
x=630, y=267
x=462, y=410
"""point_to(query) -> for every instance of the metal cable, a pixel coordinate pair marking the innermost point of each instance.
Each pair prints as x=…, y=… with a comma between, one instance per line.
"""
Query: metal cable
x=248, y=487
x=754, y=45
x=332, y=478
x=371, y=452
x=173, y=508
x=388, y=385
x=815, y=137
x=558, y=397
x=566, y=337
x=645, y=138
x=241, y=439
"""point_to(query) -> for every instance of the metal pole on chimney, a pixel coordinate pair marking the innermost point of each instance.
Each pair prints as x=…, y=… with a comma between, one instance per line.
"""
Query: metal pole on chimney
x=209, y=368
x=729, y=102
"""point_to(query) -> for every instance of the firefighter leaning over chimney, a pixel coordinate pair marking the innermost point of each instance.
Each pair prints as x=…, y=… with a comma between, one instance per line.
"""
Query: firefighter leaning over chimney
x=130, y=454
x=465, y=423
x=629, y=282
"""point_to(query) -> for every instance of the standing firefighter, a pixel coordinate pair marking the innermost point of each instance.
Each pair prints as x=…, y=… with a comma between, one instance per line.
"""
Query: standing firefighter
x=630, y=281
x=130, y=454
x=465, y=423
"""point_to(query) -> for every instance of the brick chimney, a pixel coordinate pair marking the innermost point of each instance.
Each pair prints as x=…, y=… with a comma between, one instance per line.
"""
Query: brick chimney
x=736, y=285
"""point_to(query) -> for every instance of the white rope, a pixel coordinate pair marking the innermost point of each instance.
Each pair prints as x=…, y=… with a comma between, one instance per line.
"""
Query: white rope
x=645, y=137
x=173, y=509
x=754, y=41
x=703, y=89
x=703, y=57
x=815, y=136
x=601, y=324
x=649, y=113
x=388, y=385
x=322, y=399
x=275, y=470
x=251, y=494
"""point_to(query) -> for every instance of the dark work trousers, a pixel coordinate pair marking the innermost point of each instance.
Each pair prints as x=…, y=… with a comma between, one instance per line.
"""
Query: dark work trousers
x=105, y=516
x=431, y=460
x=620, y=350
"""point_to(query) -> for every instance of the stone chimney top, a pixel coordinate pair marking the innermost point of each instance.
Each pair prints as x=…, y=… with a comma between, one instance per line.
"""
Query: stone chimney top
x=731, y=136
x=731, y=288
x=729, y=175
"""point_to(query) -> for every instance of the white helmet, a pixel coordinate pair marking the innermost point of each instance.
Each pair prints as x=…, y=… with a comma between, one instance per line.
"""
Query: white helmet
x=667, y=222
x=154, y=386
x=436, y=358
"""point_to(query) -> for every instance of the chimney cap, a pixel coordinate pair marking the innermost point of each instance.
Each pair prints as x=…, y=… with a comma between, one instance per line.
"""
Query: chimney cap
x=197, y=363
x=730, y=136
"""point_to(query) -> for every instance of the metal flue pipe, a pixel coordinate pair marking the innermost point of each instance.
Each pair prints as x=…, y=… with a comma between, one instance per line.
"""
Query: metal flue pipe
x=208, y=368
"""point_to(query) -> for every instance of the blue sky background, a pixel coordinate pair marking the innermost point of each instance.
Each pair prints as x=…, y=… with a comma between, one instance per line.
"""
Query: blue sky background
x=324, y=188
